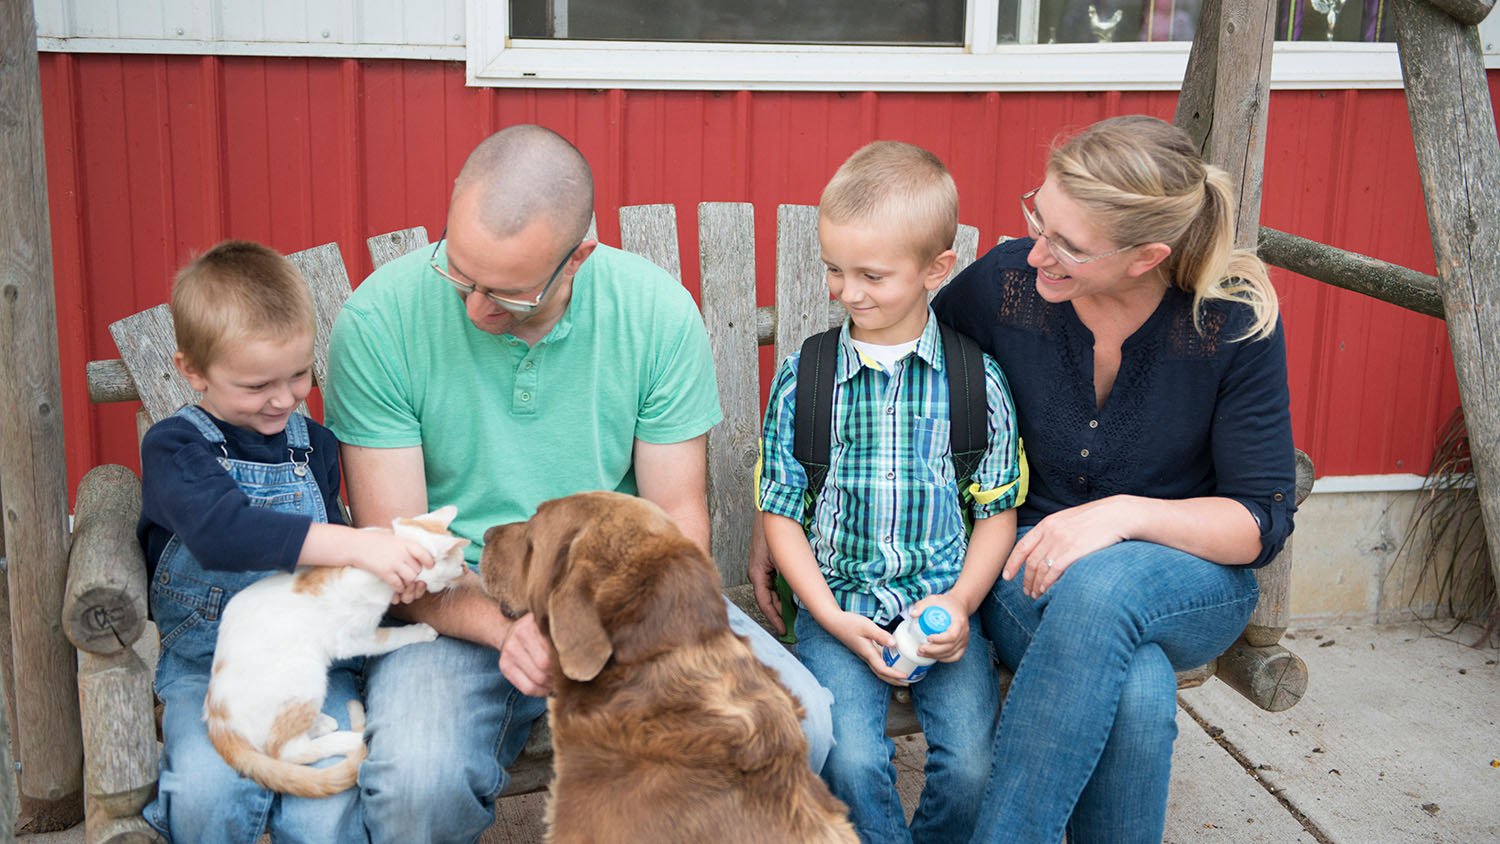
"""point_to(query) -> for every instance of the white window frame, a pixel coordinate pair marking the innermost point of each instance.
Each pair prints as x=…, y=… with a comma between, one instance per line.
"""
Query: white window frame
x=494, y=58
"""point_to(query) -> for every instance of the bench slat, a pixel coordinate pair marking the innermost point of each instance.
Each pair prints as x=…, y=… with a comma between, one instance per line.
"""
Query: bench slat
x=386, y=247
x=650, y=231
x=323, y=269
x=726, y=244
x=966, y=244
x=802, y=304
x=146, y=344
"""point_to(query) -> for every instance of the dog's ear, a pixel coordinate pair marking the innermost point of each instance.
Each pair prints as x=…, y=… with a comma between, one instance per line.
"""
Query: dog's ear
x=573, y=618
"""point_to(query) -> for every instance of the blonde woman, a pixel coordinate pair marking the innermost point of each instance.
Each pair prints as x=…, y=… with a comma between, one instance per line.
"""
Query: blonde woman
x=1148, y=366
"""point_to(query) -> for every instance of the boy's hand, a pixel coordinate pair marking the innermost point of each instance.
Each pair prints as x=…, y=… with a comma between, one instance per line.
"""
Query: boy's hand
x=949, y=645
x=866, y=640
x=391, y=558
x=762, y=573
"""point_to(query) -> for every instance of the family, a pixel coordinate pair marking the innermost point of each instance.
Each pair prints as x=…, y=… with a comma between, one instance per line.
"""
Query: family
x=1134, y=352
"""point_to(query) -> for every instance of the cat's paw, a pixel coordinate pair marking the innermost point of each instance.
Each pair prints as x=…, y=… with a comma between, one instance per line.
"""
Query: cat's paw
x=421, y=632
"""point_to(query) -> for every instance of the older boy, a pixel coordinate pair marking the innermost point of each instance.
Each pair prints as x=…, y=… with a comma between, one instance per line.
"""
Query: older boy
x=885, y=535
x=235, y=488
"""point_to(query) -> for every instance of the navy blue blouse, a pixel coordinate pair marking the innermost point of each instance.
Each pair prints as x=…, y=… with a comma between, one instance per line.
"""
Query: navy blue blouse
x=1190, y=415
x=185, y=491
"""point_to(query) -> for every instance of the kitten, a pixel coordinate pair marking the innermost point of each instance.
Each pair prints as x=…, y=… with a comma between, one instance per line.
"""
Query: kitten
x=278, y=638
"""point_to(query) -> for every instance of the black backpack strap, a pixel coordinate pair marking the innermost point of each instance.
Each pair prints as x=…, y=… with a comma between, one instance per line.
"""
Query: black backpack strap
x=812, y=425
x=968, y=408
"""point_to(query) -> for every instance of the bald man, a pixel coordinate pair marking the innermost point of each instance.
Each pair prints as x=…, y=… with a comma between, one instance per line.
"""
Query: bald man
x=513, y=362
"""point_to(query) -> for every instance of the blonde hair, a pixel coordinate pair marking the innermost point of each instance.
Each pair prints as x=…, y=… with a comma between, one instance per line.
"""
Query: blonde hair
x=891, y=181
x=1141, y=180
x=234, y=291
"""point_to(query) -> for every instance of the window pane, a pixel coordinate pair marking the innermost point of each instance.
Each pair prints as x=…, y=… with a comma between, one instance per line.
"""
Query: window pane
x=1087, y=21
x=906, y=22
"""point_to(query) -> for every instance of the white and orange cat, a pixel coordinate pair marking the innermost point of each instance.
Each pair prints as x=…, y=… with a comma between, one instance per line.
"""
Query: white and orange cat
x=277, y=639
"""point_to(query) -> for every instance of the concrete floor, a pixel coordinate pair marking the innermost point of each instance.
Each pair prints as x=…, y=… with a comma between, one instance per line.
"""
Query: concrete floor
x=1397, y=740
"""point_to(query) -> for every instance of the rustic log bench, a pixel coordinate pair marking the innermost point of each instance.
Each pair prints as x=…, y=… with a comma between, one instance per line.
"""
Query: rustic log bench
x=105, y=610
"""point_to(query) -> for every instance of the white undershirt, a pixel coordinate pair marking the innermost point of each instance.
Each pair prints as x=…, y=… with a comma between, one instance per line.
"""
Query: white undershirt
x=886, y=356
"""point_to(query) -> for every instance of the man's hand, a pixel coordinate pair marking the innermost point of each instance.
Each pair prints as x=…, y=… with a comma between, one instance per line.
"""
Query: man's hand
x=762, y=573
x=526, y=658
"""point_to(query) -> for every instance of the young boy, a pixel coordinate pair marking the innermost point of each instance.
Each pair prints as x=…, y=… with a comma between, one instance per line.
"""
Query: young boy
x=233, y=489
x=886, y=533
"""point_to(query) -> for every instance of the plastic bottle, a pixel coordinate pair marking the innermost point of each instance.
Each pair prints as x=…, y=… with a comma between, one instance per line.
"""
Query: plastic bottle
x=910, y=634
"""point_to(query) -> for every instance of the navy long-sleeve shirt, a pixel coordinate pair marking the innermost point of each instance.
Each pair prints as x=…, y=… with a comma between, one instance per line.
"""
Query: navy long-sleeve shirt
x=185, y=491
x=1190, y=414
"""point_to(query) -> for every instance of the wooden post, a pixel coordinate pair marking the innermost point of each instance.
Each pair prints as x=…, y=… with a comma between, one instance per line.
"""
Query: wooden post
x=1458, y=157
x=1242, y=83
x=1223, y=108
x=31, y=447
x=1195, y=103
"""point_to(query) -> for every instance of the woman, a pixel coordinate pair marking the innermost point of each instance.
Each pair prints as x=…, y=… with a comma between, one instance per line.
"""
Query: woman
x=1148, y=366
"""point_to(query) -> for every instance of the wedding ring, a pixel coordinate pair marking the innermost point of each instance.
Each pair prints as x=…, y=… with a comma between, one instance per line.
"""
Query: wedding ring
x=1047, y=562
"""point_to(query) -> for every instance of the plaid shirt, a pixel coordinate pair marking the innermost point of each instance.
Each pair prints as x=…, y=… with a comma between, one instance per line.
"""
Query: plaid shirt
x=887, y=529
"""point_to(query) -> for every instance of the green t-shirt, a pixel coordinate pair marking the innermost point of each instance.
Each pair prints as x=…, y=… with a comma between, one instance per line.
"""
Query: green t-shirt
x=503, y=426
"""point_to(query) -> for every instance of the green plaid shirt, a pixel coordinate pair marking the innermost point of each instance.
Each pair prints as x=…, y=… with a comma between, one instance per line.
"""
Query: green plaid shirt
x=887, y=528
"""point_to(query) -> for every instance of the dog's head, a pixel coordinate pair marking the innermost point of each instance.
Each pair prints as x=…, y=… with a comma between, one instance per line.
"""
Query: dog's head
x=605, y=574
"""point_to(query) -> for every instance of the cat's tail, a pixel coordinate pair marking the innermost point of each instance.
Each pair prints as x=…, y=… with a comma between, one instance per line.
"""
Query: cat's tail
x=281, y=775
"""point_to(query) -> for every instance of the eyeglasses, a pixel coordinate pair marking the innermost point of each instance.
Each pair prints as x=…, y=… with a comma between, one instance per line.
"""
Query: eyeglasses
x=1061, y=253
x=514, y=306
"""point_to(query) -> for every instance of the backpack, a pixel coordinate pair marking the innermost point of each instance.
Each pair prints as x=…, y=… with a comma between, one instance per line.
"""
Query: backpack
x=812, y=425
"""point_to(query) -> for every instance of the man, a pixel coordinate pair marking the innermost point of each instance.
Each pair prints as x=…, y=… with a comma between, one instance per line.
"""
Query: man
x=515, y=362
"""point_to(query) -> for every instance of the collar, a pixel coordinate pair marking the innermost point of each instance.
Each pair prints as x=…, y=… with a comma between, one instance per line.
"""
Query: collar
x=929, y=348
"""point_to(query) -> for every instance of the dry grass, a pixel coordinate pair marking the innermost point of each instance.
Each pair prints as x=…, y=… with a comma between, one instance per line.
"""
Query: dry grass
x=1447, y=529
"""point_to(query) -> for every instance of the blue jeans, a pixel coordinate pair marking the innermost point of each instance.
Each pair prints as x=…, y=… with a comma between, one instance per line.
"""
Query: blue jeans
x=955, y=704
x=201, y=799
x=1085, y=739
x=445, y=724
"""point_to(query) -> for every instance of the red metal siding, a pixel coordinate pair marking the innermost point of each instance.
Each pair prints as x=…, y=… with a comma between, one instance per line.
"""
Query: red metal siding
x=151, y=158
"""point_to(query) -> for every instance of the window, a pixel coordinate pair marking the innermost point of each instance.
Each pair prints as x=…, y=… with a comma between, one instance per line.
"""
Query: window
x=903, y=44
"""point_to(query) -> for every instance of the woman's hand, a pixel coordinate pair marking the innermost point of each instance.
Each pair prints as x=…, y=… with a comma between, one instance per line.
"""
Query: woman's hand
x=1064, y=537
x=866, y=640
x=949, y=645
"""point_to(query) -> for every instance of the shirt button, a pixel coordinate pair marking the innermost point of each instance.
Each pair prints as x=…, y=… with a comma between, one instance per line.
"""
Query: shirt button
x=887, y=540
x=1278, y=496
x=1084, y=453
x=530, y=364
x=525, y=397
x=1093, y=423
x=890, y=410
x=890, y=476
x=1082, y=480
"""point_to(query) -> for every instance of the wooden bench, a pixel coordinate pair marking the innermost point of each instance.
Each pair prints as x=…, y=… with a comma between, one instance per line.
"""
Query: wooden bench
x=105, y=610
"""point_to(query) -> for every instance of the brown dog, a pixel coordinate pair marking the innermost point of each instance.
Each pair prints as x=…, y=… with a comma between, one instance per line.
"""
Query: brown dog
x=665, y=727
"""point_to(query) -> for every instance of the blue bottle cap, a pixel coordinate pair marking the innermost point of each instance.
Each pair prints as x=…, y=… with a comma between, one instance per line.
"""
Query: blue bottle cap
x=934, y=620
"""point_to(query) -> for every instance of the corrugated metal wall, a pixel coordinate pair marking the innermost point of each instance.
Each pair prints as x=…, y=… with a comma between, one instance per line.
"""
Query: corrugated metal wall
x=151, y=158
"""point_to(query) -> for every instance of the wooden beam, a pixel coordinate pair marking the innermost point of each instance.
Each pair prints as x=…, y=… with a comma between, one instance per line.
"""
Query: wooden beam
x=1387, y=282
x=32, y=471
x=1466, y=12
x=1458, y=157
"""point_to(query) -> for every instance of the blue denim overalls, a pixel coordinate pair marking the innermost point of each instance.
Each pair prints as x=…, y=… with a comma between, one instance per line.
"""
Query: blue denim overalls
x=187, y=599
x=200, y=798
